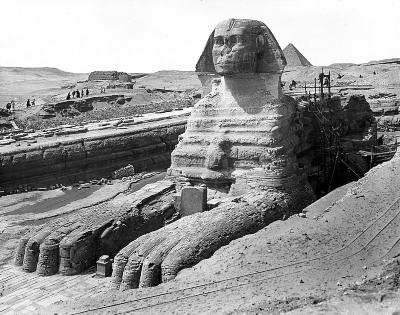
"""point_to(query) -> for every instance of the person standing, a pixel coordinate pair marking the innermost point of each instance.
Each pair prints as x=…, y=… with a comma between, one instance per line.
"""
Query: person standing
x=69, y=95
x=33, y=102
x=28, y=103
x=73, y=94
x=77, y=94
x=82, y=94
x=87, y=92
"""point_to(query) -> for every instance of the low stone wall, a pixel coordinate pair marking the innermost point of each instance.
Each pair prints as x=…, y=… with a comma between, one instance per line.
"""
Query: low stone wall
x=82, y=105
x=386, y=112
x=86, y=157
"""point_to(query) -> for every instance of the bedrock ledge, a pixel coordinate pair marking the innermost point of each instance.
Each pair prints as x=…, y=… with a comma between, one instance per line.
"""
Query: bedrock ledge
x=87, y=156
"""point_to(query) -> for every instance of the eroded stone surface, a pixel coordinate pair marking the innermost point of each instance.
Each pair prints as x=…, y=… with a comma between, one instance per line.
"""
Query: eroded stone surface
x=90, y=155
x=72, y=243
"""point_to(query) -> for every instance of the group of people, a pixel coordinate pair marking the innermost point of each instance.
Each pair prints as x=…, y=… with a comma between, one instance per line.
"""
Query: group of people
x=30, y=103
x=10, y=106
x=77, y=94
x=102, y=90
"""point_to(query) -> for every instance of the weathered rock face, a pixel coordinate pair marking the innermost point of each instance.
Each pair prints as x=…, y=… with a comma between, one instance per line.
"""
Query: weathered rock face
x=109, y=76
x=357, y=114
x=385, y=107
x=334, y=129
x=84, y=157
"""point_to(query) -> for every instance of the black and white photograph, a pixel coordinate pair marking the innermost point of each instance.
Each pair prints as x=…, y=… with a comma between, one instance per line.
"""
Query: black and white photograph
x=199, y=157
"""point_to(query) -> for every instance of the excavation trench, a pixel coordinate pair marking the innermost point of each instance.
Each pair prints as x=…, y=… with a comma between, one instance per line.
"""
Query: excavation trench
x=75, y=194
x=92, y=155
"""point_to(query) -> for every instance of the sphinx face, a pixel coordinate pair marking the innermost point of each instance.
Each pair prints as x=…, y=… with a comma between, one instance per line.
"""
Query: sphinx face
x=235, y=50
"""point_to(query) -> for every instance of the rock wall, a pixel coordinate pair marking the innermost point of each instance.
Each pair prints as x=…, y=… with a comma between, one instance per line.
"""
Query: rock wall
x=76, y=106
x=386, y=111
x=349, y=122
x=83, y=158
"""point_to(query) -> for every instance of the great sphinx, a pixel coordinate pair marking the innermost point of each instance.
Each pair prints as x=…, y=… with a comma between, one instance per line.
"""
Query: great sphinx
x=240, y=142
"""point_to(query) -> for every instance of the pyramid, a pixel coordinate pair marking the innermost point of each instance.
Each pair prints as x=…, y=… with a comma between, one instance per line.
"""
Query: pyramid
x=294, y=57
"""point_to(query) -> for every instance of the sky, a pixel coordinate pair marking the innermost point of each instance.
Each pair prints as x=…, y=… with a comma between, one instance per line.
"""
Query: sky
x=152, y=35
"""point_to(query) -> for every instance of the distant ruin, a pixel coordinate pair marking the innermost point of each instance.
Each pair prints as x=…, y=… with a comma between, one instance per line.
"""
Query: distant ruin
x=109, y=76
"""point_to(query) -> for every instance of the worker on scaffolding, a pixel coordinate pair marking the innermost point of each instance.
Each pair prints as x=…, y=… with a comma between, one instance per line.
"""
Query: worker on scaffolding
x=292, y=85
x=321, y=78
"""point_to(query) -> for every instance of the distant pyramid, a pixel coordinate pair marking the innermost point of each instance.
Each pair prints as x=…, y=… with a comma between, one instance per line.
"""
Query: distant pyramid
x=294, y=57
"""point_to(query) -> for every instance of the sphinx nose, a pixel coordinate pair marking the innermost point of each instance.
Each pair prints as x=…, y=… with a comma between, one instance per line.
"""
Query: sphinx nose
x=225, y=49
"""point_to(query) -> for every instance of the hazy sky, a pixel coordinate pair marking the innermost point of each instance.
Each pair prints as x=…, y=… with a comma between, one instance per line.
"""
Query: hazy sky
x=151, y=35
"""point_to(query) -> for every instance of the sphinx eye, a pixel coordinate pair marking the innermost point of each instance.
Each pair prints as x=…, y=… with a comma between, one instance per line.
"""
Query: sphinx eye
x=240, y=40
x=218, y=41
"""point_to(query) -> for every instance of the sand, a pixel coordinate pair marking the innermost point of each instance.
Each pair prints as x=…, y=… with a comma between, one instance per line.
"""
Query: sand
x=344, y=238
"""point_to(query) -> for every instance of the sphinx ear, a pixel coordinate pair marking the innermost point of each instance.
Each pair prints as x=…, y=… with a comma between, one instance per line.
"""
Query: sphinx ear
x=271, y=58
x=205, y=63
x=260, y=43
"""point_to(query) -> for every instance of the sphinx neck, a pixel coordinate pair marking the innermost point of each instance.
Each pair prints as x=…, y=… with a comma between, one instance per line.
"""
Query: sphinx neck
x=252, y=85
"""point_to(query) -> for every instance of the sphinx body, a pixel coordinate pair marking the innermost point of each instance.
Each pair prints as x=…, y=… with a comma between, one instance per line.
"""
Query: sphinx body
x=241, y=136
x=240, y=140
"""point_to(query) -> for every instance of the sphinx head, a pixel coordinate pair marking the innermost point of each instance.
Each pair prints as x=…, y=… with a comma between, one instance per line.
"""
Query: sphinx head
x=241, y=46
x=237, y=45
